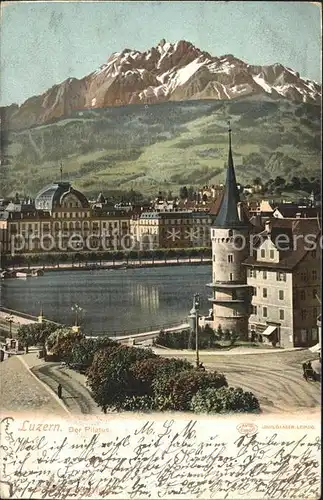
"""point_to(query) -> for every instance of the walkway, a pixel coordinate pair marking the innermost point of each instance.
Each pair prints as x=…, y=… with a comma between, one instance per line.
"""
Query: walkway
x=20, y=392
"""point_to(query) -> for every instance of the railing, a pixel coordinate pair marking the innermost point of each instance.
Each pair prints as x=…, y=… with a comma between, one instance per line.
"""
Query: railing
x=25, y=315
x=144, y=329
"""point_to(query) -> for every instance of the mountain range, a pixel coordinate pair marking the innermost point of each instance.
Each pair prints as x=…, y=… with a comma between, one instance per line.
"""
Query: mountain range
x=168, y=72
x=158, y=119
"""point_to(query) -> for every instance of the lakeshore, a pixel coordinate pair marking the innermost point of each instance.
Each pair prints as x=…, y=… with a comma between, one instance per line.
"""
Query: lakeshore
x=113, y=264
x=113, y=301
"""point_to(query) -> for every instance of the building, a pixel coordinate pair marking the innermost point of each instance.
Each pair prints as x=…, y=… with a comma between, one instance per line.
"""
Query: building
x=293, y=210
x=184, y=229
x=284, y=271
x=230, y=233
x=61, y=219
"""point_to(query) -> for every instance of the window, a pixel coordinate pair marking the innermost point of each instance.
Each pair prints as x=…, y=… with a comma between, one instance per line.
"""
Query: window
x=231, y=276
x=271, y=254
x=254, y=309
x=302, y=294
x=252, y=273
x=264, y=312
x=304, y=276
x=281, y=276
x=230, y=258
x=263, y=253
x=281, y=294
x=254, y=292
x=314, y=294
x=314, y=274
x=281, y=314
x=264, y=275
x=264, y=293
x=315, y=313
x=303, y=313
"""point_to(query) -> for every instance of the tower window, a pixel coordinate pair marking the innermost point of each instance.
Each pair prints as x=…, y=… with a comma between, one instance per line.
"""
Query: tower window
x=231, y=276
x=263, y=253
x=264, y=293
x=281, y=314
x=264, y=312
x=264, y=275
x=281, y=294
x=271, y=254
x=230, y=258
x=254, y=309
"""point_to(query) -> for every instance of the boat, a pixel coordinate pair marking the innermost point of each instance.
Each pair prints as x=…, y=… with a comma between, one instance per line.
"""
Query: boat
x=23, y=274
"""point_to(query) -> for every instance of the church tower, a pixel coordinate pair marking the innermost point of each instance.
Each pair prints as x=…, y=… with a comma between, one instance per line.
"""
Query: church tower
x=230, y=234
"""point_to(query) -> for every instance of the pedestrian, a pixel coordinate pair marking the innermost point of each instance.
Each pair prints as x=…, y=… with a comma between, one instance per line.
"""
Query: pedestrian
x=304, y=365
x=59, y=391
x=202, y=367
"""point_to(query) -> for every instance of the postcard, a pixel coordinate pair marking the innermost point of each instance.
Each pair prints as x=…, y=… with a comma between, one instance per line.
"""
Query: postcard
x=160, y=250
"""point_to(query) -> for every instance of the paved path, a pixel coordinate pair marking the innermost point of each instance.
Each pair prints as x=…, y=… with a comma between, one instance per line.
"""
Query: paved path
x=20, y=392
x=75, y=395
x=276, y=379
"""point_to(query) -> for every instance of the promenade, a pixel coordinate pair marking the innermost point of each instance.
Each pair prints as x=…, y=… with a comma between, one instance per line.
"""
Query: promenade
x=20, y=392
x=275, y=378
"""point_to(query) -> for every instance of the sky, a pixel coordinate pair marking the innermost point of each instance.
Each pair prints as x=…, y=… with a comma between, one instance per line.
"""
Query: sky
x=44, y=43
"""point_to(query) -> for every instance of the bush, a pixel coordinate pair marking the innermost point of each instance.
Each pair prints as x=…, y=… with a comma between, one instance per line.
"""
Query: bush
x=176, y=391
x=110, y=377
x=145, y=371
x=62, y=342
x=84, y=351
x=35, y=333
x=139, y=403
x=224, y=400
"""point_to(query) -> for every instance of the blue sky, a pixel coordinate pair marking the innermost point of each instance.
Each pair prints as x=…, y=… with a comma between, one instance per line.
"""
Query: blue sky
x=43, y=43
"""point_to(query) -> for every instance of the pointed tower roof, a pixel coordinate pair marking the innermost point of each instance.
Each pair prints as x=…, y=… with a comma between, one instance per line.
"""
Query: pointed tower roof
x=228, y=216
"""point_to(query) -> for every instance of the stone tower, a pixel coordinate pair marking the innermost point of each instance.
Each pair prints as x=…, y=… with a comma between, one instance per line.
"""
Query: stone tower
x=230, y=233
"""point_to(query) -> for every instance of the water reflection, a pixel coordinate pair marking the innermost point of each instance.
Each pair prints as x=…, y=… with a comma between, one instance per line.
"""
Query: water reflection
x=146, y=295
x=113, y=301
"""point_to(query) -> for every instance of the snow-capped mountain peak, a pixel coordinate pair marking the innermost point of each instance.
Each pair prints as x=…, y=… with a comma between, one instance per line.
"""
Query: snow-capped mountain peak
x=168, y=71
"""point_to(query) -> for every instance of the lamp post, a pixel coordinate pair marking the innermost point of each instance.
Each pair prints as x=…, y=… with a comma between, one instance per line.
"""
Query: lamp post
x=77, y=310
x=194, y=316
x=10, y=320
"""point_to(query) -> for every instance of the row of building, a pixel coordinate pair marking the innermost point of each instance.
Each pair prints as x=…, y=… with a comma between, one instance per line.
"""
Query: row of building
x=61, y=219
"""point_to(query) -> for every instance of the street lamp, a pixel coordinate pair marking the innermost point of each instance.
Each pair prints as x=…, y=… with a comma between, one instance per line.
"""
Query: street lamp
x=194, y=315
x=77, y=309
x=10, y=320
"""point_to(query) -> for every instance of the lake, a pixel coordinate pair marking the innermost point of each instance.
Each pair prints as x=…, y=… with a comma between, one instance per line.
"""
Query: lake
x=113, y=300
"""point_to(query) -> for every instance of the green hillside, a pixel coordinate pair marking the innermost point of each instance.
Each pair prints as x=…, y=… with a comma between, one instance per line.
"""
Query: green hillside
x=163, y=146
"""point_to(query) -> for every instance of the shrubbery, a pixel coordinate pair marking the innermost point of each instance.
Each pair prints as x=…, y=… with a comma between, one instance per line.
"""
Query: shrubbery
x=135, y=379
x=224, y=400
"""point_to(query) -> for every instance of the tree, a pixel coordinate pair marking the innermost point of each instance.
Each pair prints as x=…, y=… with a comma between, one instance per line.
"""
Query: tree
x=219, y=332
x=233, y=337
x=110, y=377
x=84, y=351
x=35, y=333
x=224, y=400
x=175, y=392
x=183, y=193
x=62, y=341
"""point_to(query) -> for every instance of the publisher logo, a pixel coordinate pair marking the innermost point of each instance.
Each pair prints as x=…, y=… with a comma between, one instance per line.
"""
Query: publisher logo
x=247, y=429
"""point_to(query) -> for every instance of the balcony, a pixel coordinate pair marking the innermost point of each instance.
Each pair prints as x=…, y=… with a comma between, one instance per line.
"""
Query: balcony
x=227, y=285
x=226, y=301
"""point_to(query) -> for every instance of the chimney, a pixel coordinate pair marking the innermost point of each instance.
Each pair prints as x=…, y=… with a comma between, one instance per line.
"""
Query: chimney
x=240, y=211
x=268, y=226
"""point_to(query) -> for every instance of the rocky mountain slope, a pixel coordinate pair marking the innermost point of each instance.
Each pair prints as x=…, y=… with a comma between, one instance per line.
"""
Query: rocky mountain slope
x=168, y=72
x=163, y=146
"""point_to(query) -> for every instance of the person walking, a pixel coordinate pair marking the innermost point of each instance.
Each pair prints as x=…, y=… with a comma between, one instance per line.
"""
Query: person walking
x=59, y=391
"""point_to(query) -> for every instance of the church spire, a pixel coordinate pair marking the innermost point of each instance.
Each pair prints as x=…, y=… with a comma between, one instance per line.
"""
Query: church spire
x=228, y=216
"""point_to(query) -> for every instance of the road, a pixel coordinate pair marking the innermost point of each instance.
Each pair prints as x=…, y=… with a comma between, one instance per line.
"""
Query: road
x=275, y=378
